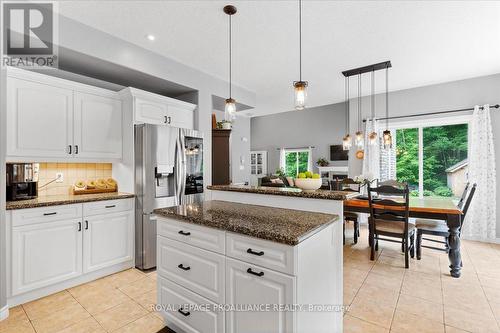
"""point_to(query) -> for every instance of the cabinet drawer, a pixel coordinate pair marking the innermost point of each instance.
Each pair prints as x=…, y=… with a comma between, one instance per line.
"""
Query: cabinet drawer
x=198, y=270
x=107, y=206
x=260, y=252
x=177, y=298
x=28, y=216
x=199, y=236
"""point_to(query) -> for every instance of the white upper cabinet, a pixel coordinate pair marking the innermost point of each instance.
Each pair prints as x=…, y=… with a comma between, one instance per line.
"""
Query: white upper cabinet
x=150, y=108
x=97, y=126
x=55, y=119
x=39, y=119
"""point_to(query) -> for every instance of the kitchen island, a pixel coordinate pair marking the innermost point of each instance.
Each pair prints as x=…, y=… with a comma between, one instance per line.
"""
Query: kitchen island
x=232, y=267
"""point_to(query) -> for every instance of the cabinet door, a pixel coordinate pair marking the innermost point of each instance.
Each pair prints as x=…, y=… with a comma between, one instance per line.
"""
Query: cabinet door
x=46, y=253
x=150, y=112
x=39, y=119
x=180, y=117
x=264, y=286
x=98, y=127
x=107, y=240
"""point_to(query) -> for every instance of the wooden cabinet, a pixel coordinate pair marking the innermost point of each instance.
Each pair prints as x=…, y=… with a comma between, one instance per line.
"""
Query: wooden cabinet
x=97, y=126
x=249, y=284
x=45, y=253
x=107, y=240
x=221, y=166
x=50, y=118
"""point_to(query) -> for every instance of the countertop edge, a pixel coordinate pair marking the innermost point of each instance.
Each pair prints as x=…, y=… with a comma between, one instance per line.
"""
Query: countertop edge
x=15, y=205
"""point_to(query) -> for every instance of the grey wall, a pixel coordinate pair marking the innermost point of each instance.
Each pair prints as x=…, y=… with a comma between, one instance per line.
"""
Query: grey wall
x=319, y=127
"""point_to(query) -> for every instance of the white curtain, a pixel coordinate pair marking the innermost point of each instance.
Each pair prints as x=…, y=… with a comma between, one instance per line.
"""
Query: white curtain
x=310, y=160
x=371, y=160
x=282, y=158
x=480, y=222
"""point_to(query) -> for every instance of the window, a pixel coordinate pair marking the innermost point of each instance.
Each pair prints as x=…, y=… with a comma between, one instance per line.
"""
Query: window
x=294, y=161
x=432, y=159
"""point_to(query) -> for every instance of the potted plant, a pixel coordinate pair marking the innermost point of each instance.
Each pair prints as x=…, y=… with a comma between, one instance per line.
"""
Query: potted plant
x=323, y=162
x=224, y=124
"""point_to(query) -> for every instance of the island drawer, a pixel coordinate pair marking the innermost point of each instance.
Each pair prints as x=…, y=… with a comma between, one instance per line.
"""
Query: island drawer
x=196, y=269
x=188, y=320
x=107, y=206
x=28, y=216
x=199, y=236
x=260, y=252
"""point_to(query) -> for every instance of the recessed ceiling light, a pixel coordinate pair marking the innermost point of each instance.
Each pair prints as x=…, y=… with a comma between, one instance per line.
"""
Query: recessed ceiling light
x=150, y=37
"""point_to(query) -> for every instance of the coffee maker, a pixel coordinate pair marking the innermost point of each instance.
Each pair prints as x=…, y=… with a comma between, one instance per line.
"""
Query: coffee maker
x=22, y=181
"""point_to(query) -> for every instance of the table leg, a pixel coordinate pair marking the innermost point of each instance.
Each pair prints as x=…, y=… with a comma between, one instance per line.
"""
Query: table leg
x=454, y=245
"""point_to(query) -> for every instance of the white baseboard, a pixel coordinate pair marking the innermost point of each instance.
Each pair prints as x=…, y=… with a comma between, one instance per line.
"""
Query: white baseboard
x=4, y=312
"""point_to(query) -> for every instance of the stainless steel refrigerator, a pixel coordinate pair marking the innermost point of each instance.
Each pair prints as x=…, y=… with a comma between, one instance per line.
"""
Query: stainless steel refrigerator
x=168, y=172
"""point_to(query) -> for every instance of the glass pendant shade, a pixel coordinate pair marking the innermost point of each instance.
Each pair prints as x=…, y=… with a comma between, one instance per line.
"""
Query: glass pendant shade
x=359, y=140
x=387, y=139
x=347, y=142
x=230, y=109
x=300, y=92
x=372, y=138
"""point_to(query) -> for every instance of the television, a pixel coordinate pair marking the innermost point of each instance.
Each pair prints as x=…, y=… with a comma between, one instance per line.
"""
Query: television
x=337, y=153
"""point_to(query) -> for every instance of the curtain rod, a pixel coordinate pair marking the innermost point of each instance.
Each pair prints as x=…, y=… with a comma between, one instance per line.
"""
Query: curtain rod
x=297, y=148
x=492, y=106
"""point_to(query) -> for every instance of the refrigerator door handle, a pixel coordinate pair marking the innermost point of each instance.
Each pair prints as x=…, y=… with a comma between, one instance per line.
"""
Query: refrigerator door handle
x=179, y=170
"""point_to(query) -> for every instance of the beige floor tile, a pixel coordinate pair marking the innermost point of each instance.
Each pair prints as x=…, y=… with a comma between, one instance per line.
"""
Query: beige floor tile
x=126, y=277
x=139, y=287
x=147, y=301
x=451, y=329
x=405, y=322
x=90, y=287
x=383, y=281
x=372, y=312
x=492, y=294
x=352, y=275
x=152, y=275
x=147, y=324
x=468, y=321
x=378, y=294
x=388, y=270
x=120, y=315
x=420, y=307
x=355, y=325
x=468, y=300
x=17, y=322
x=359, y=264
x=422, y=290
x=89, y=325
x=60, y=320
x=96, y=302
x=489, y=282
x=47, y=305
x=495, y=307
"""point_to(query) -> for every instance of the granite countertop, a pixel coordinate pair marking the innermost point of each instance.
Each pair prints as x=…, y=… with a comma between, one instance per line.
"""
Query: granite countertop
x=286, y=191
x=286, y=226
x=55, y=200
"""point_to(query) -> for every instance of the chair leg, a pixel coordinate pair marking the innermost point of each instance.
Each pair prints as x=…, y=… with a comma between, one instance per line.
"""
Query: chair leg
x=402, y=247
x=405, y=244
x=356, y=231
x=376, y=244
x=344, y=232
x=372, y=245
x=412, y=245
x=419, y=244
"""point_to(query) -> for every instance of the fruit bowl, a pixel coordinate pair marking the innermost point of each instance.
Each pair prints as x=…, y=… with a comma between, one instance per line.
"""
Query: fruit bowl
x=308, y=184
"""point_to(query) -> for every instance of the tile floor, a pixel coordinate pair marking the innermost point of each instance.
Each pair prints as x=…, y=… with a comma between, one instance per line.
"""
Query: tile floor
x=383, y=297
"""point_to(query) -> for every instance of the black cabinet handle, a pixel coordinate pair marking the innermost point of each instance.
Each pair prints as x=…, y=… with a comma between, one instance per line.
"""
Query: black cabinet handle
x=255, y=273
x=166, y=120
x=184, y=313
x=261, y=253
x=181, y=266
x=86, y=225
x=76, y=149
x=169, y=120
x=111, y=206
x=183, y=233
x=47, y=214
x=79, y=226
x=70, y=149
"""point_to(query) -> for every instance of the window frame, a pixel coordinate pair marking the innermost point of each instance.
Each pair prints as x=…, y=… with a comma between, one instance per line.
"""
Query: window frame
x=297, y=150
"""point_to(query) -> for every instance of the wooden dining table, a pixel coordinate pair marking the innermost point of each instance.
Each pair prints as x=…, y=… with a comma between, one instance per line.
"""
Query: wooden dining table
x=430, y=208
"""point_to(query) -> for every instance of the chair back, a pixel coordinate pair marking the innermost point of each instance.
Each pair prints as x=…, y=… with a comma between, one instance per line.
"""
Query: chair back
x=350, y=185
x=464, y=194
x=392, y=204
x=464, y=206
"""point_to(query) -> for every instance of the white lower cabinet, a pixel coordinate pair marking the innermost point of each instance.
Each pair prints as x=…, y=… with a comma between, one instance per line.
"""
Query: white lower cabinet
x=253, y=285
x=50, y=247
x=107, y=240
x=45, y=253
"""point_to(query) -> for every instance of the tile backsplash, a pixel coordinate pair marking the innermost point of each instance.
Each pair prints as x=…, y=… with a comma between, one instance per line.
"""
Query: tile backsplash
x=72, y=172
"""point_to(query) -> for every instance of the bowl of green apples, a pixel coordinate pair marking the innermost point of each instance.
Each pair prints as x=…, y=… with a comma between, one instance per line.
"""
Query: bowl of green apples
x=308, y=181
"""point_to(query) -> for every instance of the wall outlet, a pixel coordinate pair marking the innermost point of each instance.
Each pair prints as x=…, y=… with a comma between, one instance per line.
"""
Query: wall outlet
x=59, y=177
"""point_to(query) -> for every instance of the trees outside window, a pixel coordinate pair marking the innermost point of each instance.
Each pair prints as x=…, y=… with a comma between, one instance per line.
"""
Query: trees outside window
x=295, y=162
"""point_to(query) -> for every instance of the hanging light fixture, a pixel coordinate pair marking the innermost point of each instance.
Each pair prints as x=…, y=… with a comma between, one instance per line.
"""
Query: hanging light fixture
x=300, y=87
x=230, y=107
x=347, y=140
x=387, y=136
x=359, y=139
x=372, y=137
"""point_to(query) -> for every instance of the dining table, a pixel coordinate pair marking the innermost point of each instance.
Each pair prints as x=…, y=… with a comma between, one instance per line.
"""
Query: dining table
x=445, y=209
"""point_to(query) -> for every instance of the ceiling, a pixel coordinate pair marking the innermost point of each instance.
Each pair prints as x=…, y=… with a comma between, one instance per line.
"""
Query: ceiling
x=428, y=42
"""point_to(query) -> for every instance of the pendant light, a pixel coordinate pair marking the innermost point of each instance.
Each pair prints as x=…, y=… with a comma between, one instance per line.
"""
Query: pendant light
x=347, y=140
x=230, y=107
x=387, y=136
x=300, y=87
x=372, y=137
x=359, y=140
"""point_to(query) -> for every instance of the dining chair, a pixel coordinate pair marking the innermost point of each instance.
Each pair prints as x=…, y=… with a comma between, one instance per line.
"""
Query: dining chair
x=440, y=227
x=350, y=185
x=389, y=217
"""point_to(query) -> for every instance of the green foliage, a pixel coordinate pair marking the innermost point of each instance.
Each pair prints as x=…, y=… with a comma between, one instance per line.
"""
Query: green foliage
x=280, y=172
x=414, y=193
x=294, y=159
x=443, y=191
x=428, y=193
